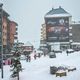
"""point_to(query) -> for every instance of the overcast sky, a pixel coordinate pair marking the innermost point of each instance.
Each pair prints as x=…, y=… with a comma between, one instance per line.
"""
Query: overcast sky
x=29, y=14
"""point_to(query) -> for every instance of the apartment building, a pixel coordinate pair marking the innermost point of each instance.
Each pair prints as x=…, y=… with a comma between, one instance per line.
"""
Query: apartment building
x=57, y=22
x=59, y=31
x=4, y=30
x=8, y=31
x=11, y=34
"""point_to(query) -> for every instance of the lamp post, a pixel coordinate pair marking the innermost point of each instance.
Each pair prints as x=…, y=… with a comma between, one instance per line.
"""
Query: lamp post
x=1, y=39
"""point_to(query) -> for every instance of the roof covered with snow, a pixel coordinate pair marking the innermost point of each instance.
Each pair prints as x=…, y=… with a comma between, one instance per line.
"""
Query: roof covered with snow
x=58, y=12
x=28, y=44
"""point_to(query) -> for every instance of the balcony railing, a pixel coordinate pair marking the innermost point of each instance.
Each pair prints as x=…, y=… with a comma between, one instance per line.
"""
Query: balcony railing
x=15, y=37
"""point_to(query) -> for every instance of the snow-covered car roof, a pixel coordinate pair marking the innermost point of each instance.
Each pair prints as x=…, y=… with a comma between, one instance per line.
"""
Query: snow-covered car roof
x=70, y=50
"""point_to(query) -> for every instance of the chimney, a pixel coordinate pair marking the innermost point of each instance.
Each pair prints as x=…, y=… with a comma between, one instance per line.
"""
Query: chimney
x=59, y=6
x=52, y=8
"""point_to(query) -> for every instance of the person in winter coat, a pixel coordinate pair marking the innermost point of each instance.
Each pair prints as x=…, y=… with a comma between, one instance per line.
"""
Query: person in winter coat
x=29, y=58
x=67, y=52
x=39, y=55
x=35, y=56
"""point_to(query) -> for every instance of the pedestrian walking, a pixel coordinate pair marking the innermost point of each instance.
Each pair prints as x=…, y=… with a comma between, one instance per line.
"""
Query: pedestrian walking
x=35, y=56
x=39, y=55
x=29, y=58
x=67, y=52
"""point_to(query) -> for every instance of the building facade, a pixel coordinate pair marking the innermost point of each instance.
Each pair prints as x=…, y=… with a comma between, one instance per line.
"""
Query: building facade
x=43, y=37
x=8, y=32
x=11, y=34
x=57, y=23
x=75, y=34
x=60, y=32
x=4, y=30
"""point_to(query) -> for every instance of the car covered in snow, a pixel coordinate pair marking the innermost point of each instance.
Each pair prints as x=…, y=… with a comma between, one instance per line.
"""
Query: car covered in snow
x=69, y=51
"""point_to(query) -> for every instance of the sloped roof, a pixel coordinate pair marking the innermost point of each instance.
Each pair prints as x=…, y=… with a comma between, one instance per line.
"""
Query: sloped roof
x=57, y=12
x=14, y=22
x=28, y=44
x=5, y=13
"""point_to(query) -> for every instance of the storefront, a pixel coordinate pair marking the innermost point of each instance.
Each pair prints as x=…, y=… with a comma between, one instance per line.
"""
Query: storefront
x=76, y=45
x=64, y=46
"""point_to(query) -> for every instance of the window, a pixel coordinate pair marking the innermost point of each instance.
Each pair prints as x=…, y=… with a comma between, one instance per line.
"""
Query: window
x=70, y=27
x=70, y=34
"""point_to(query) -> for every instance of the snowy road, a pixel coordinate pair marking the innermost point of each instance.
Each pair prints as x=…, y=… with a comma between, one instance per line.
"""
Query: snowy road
x=40, y=69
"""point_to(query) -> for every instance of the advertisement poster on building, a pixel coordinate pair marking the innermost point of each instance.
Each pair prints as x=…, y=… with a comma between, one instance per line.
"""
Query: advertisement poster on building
x=57, y=29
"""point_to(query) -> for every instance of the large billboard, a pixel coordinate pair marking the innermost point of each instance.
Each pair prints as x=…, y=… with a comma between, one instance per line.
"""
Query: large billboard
x=57, y=29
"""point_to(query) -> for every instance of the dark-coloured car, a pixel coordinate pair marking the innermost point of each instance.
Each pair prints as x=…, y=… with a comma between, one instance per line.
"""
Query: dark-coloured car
x=52, y=55
x=59, y=51
x=76, y=49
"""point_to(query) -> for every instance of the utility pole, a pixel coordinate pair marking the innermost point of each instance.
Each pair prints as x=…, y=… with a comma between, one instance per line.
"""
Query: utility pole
x=1, y=39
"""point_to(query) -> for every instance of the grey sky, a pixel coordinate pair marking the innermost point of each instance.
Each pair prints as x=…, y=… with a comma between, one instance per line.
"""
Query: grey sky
x=29, y=14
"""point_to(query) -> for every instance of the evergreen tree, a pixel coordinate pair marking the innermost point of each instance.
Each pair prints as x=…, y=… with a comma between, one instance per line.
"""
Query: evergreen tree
x=16, y=64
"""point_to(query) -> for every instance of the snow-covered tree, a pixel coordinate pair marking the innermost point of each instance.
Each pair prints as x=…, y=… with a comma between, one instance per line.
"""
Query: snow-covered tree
x=16, y=66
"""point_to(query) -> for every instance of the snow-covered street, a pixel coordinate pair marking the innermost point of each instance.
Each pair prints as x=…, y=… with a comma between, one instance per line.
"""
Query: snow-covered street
x=39, y=69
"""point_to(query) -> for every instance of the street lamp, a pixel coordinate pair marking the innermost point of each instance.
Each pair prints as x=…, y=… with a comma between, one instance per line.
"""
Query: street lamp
x=1, y=39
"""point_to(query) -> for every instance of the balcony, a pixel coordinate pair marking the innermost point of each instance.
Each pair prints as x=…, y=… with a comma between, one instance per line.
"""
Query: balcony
x=70, y=27
x=16, y=33
x=16, y=28
x=70, y=34
x=15, y=37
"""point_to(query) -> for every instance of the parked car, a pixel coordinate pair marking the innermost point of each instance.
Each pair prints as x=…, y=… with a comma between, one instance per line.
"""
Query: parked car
x=52, y=55
x=59, y=51
x=69, y=51
x=76, y=49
